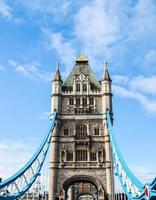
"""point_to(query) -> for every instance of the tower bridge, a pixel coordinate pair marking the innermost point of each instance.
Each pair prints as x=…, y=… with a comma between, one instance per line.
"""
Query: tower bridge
x=85, y=161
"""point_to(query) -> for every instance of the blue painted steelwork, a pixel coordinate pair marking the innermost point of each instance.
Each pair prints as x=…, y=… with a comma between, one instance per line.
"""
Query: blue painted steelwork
x=132, y=187
x=33, y=168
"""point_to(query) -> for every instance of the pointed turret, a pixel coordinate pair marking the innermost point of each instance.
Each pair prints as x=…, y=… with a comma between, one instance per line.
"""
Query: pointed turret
x=57, y=76
x=56, y=91
x=106, y=73
x=106, y=84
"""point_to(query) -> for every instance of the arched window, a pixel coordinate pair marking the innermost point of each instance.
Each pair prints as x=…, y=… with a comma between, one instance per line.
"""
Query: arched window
x=78, y=87
x=84, y=87
x=81, y=129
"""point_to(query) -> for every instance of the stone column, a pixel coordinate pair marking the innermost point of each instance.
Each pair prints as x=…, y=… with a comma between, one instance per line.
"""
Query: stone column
x=53, y=165
x=109, y=170
x=70, y=193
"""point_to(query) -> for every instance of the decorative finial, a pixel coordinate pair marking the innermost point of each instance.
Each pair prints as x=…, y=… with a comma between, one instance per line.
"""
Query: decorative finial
x=58, y=64
x=106, y=64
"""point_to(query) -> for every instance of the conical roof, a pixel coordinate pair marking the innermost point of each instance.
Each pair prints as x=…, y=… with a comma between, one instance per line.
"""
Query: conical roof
x=57, y=76
x=106, y=76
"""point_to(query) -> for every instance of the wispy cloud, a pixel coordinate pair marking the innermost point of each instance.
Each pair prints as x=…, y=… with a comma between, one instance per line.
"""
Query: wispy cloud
x=92, y=25
x=145, y=173
x=14, y=154
x=120, y=79
x=65, y=50
x=55, y=10
x=31, y=70
x=5, y=10
x=140, y=88
x=144, y=84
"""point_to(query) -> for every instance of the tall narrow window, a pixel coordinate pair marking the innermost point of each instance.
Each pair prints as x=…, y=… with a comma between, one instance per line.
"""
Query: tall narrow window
x=78, y=101
x=81, y=129
x=63, y=156
x=69, y=156
x=84, y=87
x=91, y=101
x=96, y=131
x=84, y=101
x=81, y=155
x=65, y=131
x=100, y=158
x=93, y=156
x=78, y=87
x=71, y=101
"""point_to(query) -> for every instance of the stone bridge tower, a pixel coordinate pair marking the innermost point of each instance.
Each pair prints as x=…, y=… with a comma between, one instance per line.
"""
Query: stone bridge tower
x=80, y=162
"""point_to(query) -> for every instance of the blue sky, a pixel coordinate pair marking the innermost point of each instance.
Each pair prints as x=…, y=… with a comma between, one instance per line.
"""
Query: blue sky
x=35, y=34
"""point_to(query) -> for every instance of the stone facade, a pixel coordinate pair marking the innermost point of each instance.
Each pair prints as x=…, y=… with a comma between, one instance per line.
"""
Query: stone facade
x=80, y=162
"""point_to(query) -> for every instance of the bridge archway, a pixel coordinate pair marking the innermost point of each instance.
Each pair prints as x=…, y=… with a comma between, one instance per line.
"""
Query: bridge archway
x=82, y=185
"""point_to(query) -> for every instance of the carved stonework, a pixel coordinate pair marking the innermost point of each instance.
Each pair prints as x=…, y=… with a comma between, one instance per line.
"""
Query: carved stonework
x=79, y=151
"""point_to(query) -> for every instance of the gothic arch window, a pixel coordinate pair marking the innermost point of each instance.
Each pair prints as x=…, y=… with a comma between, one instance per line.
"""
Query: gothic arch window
x=77, y=87
x=81, y=129
x=84, y=87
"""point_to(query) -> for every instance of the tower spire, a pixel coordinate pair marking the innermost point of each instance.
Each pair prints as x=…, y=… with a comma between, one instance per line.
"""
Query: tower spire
x=57, y=76
x=106, y=64
x=58, y=65
x=106, y=73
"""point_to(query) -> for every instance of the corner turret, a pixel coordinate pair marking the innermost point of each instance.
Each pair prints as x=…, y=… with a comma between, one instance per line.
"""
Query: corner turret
x=106, y=84
x=56, y=91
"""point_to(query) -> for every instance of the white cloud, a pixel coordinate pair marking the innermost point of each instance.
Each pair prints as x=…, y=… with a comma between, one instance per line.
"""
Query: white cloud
x=144, y=84
x=145, y=173
x=14, y=154
x=144, y=16
x=120, y=79
x=65, y=50
x=53, y=9
x=93, y=25
x=5, y=10
x=32, y=70
x=146, y=102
